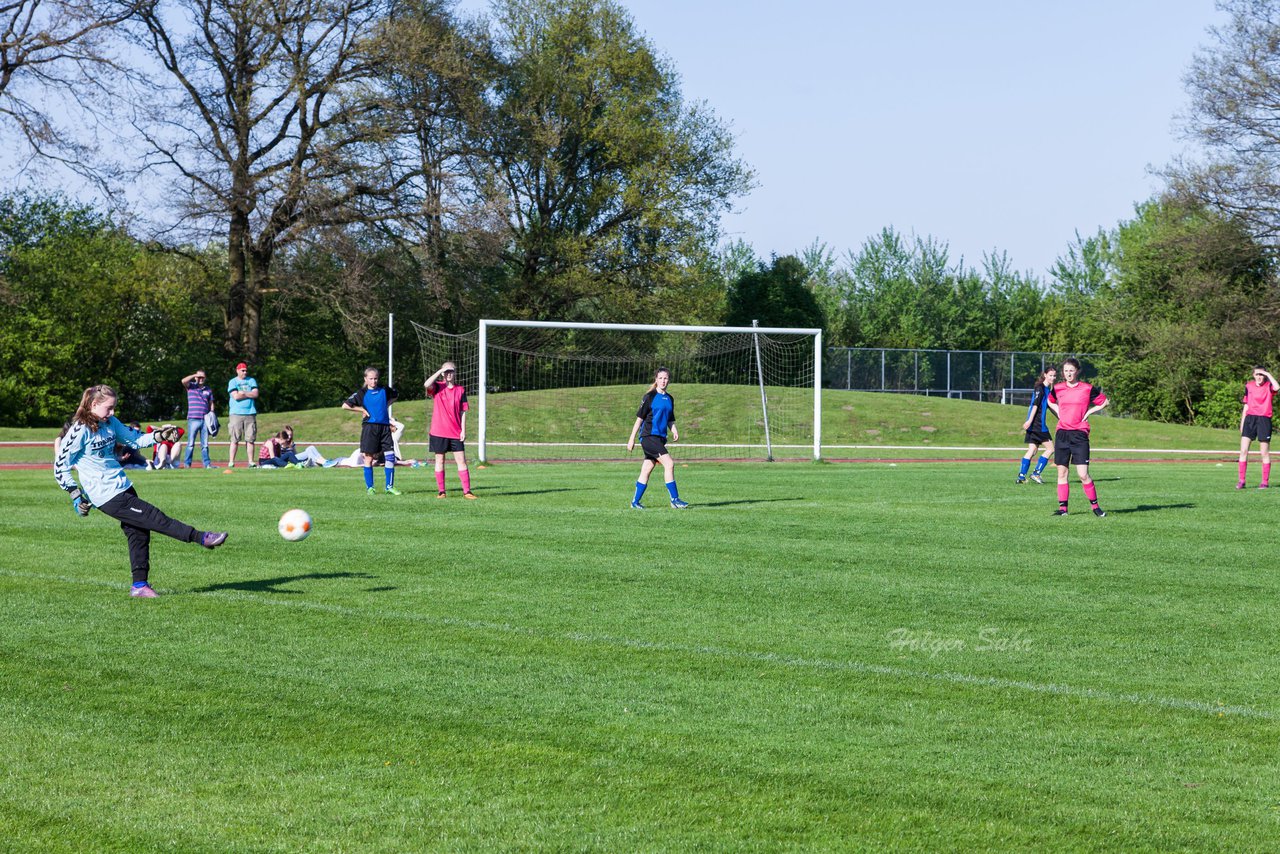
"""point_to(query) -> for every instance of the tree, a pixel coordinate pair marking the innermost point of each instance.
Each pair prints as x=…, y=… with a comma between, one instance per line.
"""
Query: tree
x=776, y=295
x=612, y=186
x=1234, y=86
x=276, y=124
x=46, y=48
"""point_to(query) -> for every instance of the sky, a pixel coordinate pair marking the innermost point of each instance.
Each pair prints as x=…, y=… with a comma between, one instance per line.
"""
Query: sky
x=989, y=126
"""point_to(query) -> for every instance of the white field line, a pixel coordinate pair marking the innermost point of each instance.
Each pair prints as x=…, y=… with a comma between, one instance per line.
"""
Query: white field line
x=997, y=683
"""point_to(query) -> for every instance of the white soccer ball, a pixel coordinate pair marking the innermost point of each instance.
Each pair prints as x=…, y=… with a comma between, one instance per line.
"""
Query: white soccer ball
x=295, y=525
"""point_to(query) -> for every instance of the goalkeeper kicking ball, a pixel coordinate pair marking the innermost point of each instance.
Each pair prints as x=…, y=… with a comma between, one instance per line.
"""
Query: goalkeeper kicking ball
x=295, y=525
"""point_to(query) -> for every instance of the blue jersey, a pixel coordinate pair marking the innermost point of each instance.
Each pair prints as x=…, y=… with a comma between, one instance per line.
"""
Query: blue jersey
x=657, y=412
x=246, y=405
x=375, y=401
x=92, y=453
x=1036, y=412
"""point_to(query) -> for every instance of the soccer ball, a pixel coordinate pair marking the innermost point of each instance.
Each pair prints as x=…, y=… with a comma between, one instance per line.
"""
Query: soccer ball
x=295, y=525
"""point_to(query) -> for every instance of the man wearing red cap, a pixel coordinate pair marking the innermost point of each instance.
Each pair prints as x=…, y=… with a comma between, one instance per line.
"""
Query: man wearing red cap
x=243, y=391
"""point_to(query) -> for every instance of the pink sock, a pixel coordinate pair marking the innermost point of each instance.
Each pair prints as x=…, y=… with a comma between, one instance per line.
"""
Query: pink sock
x=1091, y=492
x=1266, y=472
x=1064, y=492
x=1243, y=465
x=464, y=475
x=440, y=480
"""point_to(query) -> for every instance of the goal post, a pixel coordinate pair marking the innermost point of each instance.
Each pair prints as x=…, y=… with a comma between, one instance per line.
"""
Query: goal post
x=561, y=390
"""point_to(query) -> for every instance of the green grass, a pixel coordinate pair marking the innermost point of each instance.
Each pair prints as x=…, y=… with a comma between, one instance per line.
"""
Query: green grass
x=707, y=414
x=817, y=657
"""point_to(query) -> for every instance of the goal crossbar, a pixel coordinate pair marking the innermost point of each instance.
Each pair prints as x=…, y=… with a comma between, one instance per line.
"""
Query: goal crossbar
x=483, y=340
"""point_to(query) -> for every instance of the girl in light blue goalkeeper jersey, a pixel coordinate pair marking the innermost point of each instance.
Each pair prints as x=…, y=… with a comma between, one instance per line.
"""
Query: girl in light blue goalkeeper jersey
x=88, y=444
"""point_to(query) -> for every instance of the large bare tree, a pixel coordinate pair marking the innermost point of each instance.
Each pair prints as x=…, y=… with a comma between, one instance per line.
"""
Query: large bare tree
x=275, y=120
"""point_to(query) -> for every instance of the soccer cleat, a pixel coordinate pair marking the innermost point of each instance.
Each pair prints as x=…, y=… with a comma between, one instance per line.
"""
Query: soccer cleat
x=1240, y=485
x=677, y=504
x=144, y=592
x=1099, y=512
x=1035, y=478
x=1264, y=486
x=369, y=491
x=213, y=539
x=1021, y=480
x=391, y=490
x=636, y=505
x=469, y=496
x=441, y=495
x=1061, y=511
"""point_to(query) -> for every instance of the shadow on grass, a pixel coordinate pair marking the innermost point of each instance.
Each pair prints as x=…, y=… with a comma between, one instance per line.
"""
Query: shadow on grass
x=482, y=491
x=743, y=501
x=274, y=585
x=1150, y=508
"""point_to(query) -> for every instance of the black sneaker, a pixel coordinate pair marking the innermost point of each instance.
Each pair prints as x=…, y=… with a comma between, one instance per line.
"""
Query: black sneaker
x=1020, y=480
x=1061, y=511
x=1099, y=512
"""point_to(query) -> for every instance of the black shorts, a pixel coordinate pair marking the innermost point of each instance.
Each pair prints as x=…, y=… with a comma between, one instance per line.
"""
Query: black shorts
x=376, y=439
x=1071, y=446
x=444, y=445
x=654, y=447
x=1036, y=437
x=1257, y=428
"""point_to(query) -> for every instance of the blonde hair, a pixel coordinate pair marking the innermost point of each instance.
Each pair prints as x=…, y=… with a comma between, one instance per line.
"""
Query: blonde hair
x=653, y=386
x=92, y=396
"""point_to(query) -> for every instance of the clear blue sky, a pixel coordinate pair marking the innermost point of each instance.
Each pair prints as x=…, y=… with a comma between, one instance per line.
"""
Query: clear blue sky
x=988, y=125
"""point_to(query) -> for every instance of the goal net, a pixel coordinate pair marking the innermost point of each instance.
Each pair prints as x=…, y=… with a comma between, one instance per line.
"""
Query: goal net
x=551, y=391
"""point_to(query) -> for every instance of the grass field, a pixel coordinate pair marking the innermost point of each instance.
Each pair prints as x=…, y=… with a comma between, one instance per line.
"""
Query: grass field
x=811, y=657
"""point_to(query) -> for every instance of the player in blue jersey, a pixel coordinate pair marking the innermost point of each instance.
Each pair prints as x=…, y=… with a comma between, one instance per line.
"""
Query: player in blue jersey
x=375, y=431
x=654, y=419
x=1037, y=427
x=88, y=444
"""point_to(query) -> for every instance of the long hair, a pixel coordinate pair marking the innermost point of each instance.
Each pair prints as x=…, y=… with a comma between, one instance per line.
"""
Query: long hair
x=1043, y=374
x=653, y=386
x=92, y=396
x=286, y=436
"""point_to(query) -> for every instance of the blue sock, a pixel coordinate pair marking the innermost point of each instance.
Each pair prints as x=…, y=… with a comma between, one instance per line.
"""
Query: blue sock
x=368, y=477
x=1026, y=464
x=391, y=470
x=671, y=487
x=140, y=584
x=640, y=488
x=1041, y=463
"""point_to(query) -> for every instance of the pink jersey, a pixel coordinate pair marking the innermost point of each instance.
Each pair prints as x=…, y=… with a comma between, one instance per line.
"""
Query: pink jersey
x=1073, y=402
x=1257, y=399
x=447, y=407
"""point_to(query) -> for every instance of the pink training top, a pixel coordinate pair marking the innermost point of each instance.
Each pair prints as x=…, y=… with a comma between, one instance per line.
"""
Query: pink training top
x=1257, y=399
x=1073, y=402
x=447, y=407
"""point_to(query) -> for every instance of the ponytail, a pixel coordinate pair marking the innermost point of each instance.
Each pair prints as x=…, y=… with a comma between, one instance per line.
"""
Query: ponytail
x=92, y=396
x=653, y=386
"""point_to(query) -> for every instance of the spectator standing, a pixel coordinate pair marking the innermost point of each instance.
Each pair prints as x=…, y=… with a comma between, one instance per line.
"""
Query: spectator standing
x=199, y=403
x=243, y=391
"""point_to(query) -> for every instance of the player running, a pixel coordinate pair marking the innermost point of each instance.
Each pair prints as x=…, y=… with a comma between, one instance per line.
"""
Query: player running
x=1073, y=402
x=1037, y=427
x=375, y=402
x=88, y=444
x=448, y=431
x=656, y=415
x=1255, y=423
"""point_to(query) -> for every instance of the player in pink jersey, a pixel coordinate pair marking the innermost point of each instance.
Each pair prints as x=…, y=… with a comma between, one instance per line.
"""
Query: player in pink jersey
x=1255, y=423
x=449, y=425
x=1073, y=401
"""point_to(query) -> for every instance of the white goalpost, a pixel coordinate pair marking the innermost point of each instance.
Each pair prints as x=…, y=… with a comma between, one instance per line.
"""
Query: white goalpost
x=544, y=390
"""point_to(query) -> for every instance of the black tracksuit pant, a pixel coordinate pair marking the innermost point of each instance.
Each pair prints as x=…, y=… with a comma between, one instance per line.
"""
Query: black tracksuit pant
x=138, y=519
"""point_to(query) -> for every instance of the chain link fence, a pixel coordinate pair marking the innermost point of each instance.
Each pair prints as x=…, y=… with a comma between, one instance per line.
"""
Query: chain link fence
x=991, y=375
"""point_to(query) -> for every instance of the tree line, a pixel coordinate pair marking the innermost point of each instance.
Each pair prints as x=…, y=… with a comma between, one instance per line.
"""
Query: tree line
x=316, y=164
